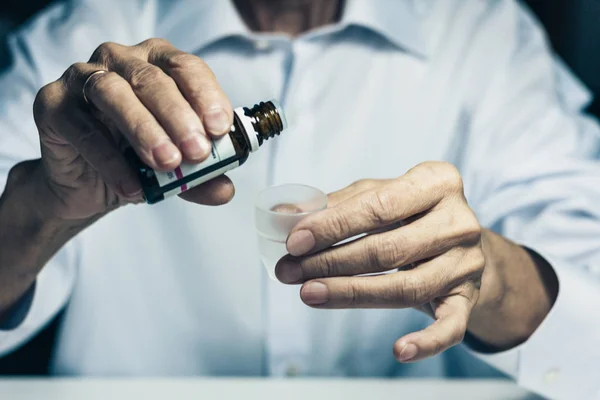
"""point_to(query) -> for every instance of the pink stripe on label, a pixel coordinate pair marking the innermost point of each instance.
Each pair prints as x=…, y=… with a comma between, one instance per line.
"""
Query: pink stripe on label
x=179, y=175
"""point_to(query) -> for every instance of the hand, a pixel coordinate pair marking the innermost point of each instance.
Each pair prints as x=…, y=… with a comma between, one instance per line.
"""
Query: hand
x=161, y=101
x=420, y=227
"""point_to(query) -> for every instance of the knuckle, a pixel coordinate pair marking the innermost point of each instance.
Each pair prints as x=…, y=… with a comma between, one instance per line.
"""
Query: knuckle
x=325, y=265
x=154, y=42
x=379, y=206
x=353, y=293
x=410, y=183
x=363, y=184
x=105, y=53
x=383, y=253
x=442, y=175
x=140, y=130
x=448, y=217
x=427, y=171
x=479, y=258
x=477, y=262
x=109, y=84
x=184, y=61
x=145, y=76
x=45, y=102
x=73, y=73
x=337, y=225
x=470, y=229
x=438, y=344
x=206, y=94
x=412, y=289
x=451, y=177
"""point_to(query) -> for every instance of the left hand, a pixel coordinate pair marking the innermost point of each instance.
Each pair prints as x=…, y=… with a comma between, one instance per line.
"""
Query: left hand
x=419, y=225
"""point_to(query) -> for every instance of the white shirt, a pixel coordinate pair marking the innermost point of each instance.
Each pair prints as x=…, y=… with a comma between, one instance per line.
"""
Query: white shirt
x=178, y=289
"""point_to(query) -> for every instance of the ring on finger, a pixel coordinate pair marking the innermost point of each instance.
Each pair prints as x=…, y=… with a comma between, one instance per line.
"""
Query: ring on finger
x=87, y=81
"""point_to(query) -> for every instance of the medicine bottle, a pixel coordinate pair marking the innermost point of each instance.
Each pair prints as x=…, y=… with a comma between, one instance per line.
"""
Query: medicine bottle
x=251, y=127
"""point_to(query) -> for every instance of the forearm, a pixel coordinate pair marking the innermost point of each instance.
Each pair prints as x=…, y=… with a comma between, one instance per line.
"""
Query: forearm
x=517, y=291
x=28, y=236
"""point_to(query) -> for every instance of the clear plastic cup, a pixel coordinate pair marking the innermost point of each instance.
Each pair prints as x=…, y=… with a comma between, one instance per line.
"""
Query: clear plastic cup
x=277, y=210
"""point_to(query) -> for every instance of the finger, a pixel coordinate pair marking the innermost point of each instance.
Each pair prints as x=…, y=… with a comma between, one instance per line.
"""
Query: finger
x=406, y=288
x=198, y=84
x=118, y=138
x=432, y=235
x=362, y=213
x=452, y=317
x=161, y=96
x=397, y=290
x=114, y=98
x=89, y=139
x=335, y=198
x=217, y=191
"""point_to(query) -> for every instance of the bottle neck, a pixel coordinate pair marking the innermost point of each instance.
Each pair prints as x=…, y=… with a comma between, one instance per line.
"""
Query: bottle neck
x=261, y=122
x=267, y=120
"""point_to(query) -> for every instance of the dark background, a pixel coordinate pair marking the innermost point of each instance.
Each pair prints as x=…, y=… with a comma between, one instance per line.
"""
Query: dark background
x=573, y=28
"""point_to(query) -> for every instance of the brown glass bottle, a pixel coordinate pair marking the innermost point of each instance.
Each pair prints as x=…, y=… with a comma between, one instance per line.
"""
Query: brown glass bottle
x=251, y=127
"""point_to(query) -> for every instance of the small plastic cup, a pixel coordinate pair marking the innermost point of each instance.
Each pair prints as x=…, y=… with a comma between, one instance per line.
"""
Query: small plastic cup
x=277, y=210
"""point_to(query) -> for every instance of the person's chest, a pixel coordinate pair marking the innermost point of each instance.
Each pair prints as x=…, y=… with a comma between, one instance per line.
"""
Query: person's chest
x=357, y=107
x=177, y=288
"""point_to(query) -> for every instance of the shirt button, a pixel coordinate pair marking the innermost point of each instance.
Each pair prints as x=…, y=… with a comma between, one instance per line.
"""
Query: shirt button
x=292, y=370
x=262, y=45
x=551, y=376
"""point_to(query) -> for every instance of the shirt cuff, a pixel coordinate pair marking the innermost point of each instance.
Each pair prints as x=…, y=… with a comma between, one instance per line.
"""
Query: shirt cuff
x=17, y=313
x=561, y=359
x=52, y=290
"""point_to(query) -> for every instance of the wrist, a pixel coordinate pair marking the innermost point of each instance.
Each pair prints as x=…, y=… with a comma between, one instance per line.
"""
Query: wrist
x=28, y=236
x=30, y=232
x=514, y=297
x=29, y=195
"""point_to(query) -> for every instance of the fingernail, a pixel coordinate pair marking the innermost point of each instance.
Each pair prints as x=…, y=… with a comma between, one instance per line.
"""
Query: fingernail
x=409, y=351
x=300, y=242
x=314, y=293
x=288, y=271
x=196, y=147
x=165, y=154
x=216, y=122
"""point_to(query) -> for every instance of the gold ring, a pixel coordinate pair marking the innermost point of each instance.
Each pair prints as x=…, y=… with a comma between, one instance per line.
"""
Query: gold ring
x=100, y=71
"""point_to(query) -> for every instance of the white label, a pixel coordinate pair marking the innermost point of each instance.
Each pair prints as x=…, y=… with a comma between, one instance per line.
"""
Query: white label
x=202, y=179
x=222, y=149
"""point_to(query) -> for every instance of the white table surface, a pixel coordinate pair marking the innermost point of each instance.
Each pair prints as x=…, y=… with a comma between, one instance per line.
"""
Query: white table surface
x=257, y=389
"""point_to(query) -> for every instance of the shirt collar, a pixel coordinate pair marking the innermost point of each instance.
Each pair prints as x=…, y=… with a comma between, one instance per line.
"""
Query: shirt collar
x=195, y=24
x=399, y=21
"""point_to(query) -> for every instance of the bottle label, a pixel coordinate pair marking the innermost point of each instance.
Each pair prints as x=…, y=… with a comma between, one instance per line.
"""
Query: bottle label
x=222, y=149
x=202, y=179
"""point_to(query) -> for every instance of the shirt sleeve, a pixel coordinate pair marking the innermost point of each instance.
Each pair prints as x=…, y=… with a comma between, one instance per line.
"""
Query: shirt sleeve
x=530, y=171
x=40, y=52
x=18, y=142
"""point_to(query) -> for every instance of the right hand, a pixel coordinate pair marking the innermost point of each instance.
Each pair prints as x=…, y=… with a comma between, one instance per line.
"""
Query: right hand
x=161, y=101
